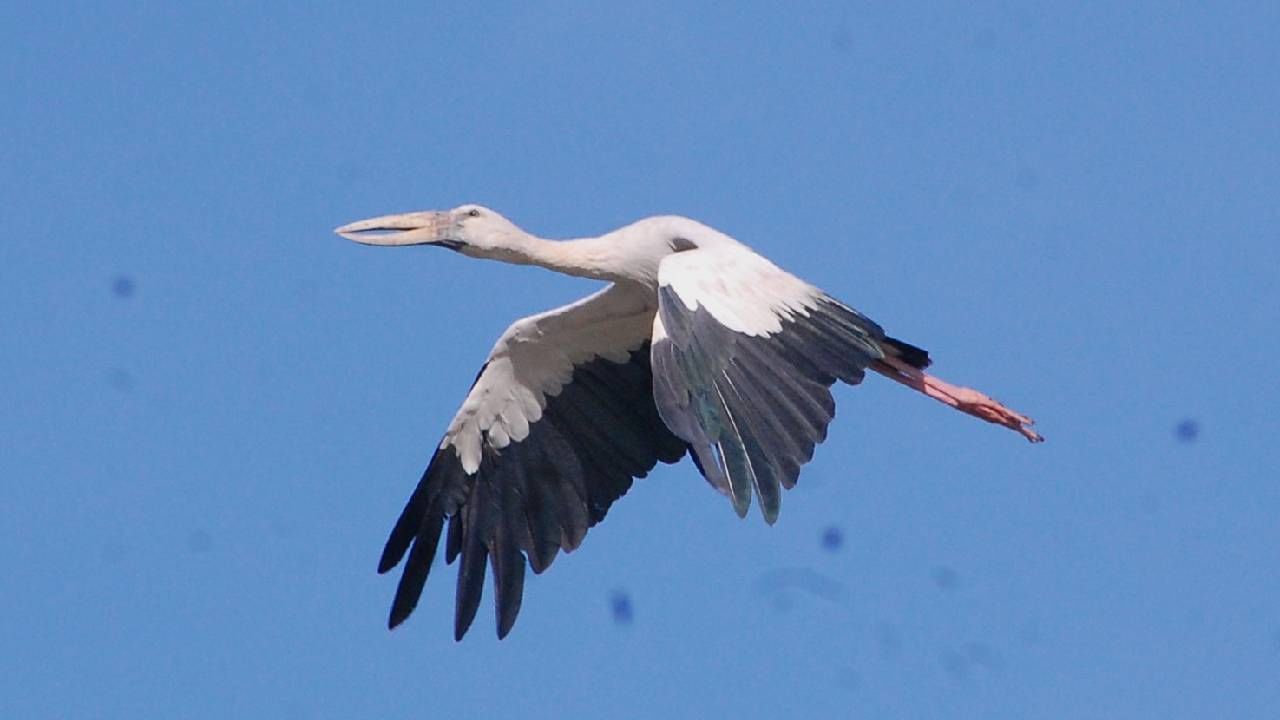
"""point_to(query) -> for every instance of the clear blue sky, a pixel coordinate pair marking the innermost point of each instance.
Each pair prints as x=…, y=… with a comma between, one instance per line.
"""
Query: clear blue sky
x=212, y=408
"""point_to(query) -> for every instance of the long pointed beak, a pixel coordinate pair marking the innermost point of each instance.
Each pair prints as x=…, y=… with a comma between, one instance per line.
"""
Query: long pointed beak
x=415, y=228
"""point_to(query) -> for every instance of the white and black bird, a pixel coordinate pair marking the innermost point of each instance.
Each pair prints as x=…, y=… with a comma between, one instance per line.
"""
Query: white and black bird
x=697, y=345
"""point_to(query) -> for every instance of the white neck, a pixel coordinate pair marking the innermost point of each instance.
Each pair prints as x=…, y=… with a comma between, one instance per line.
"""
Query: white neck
x=594, y=257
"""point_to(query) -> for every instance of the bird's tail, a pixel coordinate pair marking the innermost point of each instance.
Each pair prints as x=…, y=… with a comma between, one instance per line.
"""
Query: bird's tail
x=905, y=363
x=910, y=354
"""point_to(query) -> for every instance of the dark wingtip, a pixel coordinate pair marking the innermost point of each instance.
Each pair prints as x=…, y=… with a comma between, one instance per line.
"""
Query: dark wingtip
x=770, y=513
x=542, y=557
x=398, y=615
x=387, y=561
x=460, y=626
x=509, y=603
x=466, y=604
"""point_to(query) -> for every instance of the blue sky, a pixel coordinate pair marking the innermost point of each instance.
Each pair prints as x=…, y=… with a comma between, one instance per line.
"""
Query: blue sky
x=213, y=408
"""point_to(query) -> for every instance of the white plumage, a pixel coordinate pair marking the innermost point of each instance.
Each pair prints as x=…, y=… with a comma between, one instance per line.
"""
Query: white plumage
x=742, y=290
x=535, y=358
x=698, y=345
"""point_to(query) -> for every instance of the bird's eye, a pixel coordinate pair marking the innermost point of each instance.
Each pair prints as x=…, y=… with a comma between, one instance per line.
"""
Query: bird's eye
x=473, y=213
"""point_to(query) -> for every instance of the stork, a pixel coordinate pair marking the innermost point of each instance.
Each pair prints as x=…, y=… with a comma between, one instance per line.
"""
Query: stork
x=697, y=345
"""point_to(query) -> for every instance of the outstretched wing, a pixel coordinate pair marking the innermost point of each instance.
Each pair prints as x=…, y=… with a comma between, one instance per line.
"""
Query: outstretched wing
x=744, y=355
x=559, y=421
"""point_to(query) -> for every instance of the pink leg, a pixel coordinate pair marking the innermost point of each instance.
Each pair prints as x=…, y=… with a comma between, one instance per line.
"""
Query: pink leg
x=964, y=399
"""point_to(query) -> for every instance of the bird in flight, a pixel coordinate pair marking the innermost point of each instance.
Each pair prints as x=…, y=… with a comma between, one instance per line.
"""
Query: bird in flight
x=697, y=345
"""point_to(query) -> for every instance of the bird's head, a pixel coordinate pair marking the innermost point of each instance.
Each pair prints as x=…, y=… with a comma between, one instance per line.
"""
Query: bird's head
x=470, y=229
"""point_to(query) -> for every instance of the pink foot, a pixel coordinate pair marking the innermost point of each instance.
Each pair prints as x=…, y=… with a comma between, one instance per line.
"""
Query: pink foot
x=964, y=399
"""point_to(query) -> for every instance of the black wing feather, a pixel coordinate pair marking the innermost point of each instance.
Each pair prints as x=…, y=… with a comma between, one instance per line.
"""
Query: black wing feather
x=752, y=408
x=535, y=497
